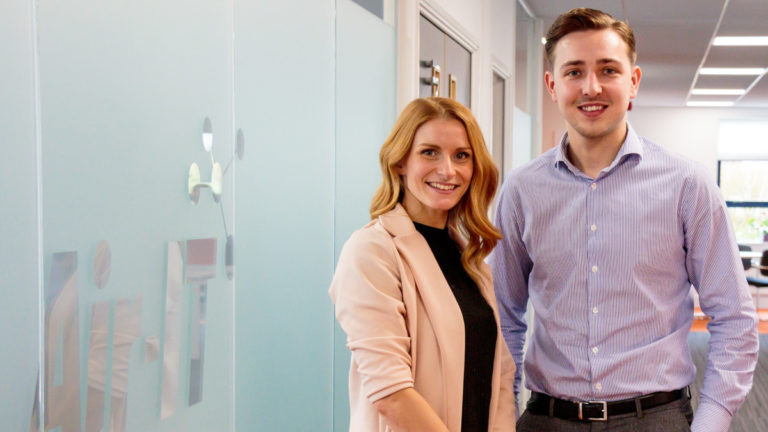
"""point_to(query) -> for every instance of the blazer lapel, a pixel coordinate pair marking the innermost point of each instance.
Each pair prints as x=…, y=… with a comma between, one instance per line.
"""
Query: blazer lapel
x=439, y=302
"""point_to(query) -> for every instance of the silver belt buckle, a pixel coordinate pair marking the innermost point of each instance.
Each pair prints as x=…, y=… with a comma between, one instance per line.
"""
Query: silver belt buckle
x=604, y=407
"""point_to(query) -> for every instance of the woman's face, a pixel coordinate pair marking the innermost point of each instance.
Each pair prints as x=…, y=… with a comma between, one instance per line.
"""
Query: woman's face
x=437, y=171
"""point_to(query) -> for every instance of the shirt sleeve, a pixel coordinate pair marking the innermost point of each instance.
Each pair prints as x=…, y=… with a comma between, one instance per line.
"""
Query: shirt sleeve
x=367, y=293
x=511, y=265
x=715, y=269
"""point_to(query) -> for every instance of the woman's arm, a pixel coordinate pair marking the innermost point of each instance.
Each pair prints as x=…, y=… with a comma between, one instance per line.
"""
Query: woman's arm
x=406, y=411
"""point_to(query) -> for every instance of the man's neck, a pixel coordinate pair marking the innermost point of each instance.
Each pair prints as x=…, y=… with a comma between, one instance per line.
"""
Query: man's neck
x=592, y=155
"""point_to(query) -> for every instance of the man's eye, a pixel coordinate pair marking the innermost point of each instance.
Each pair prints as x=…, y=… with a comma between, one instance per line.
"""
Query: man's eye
x=572, y=73
x=611, y=71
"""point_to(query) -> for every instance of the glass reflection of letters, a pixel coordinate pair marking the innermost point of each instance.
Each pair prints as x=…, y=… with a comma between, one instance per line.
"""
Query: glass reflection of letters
x=61, y=369
x=126, y=327
x=172, y=333
x=201, y=266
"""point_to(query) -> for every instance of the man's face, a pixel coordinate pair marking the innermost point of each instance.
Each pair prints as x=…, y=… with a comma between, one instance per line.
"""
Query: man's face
x=592, y=80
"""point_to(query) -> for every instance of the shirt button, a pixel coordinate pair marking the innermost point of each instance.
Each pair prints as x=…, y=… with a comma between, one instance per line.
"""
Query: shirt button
x=595, y=350
x=593, y=186
x=593, y=227
x=599, y=386
x=594, y=269
x=594, y=310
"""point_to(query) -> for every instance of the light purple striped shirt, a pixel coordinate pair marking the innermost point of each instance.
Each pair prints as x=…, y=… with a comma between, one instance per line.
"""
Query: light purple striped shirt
x=608, y=266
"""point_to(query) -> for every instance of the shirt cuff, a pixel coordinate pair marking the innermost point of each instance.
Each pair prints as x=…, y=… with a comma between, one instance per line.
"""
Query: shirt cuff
x=711, y=417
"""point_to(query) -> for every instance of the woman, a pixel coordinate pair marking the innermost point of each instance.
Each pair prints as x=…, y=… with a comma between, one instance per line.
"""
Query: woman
x=411, y=289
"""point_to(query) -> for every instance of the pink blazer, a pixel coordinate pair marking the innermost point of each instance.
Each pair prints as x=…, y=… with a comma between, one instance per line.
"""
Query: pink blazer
x=405, y=329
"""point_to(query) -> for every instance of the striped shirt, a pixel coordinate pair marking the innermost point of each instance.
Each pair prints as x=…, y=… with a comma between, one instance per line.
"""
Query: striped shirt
x=608, y=265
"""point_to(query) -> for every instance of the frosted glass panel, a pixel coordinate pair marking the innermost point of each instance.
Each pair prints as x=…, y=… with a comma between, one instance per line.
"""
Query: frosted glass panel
x=284, y=76
x=124, y=90
x=18, y=219
x=365, y=112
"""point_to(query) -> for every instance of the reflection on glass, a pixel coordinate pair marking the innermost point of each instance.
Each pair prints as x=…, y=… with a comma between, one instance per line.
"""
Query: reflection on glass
x=61, y=339
x=201, y=266
x=102, y=264
x=127, y=327
x=229, y=258
x=172, y=334
x=207, y=135
x=97, y=367
x=151, y=348
x=240, y=144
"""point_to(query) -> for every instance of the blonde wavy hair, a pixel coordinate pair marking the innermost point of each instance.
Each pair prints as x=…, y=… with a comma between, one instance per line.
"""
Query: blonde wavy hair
x=470, y=215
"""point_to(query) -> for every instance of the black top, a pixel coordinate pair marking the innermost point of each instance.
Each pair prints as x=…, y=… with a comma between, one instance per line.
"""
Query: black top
x=479, y=329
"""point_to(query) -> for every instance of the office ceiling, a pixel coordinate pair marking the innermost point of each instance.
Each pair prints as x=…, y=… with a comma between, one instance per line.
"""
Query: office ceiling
x=674, y=41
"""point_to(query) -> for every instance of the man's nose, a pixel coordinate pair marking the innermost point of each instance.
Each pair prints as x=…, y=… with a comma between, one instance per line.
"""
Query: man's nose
x=591, y=85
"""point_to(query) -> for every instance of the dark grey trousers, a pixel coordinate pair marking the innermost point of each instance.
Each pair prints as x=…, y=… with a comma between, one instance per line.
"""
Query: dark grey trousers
x=672, y=417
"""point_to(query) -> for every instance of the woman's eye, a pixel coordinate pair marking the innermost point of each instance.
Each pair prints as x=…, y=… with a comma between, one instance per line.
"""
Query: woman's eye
x=428, y=152
x=464, y=155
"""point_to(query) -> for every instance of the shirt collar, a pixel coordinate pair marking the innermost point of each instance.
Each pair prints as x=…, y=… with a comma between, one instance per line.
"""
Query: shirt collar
x=631, y=145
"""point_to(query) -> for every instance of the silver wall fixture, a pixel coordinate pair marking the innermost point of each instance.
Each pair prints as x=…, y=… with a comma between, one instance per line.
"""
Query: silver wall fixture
x=194, y=184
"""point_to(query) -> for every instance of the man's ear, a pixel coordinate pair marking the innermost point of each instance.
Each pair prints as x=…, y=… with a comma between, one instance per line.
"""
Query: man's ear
x=636, y=75
x=549, y=81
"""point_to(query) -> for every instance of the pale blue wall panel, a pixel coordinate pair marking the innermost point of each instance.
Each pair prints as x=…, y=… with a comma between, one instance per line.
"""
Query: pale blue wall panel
x=18, y=223
x=365, y=112
x=284, y=60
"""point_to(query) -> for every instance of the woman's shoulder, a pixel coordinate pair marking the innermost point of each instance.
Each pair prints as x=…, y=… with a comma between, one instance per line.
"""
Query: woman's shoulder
x=371, y=239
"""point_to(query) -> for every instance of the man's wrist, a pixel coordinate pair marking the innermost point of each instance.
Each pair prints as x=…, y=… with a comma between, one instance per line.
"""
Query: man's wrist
x=711, y=417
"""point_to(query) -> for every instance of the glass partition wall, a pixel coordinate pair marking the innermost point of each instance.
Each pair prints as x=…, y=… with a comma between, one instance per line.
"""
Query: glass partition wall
x=175, y=200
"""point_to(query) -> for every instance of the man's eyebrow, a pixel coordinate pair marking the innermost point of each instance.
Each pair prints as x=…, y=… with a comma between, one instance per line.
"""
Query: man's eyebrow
x=571, y=63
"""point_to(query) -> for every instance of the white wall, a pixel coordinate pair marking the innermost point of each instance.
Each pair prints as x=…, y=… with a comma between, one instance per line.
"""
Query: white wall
x=502, y=32
x=691, y=132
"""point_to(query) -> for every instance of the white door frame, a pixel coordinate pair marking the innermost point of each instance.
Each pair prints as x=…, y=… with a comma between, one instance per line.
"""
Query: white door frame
x=408, y=47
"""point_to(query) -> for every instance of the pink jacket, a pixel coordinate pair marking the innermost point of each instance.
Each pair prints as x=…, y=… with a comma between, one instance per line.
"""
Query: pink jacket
x=405, y=329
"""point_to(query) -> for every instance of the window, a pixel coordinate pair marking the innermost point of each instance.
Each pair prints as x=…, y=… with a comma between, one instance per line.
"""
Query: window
x=743, y=176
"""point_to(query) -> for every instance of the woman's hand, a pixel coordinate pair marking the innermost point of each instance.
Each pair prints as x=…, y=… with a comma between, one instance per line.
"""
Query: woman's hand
x=405, y=411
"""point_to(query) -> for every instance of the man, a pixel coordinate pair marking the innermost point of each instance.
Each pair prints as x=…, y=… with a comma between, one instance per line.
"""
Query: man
x=605, y=234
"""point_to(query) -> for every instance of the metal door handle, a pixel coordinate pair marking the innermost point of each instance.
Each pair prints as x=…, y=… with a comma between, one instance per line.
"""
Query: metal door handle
x=452, y=86
x=435, y=80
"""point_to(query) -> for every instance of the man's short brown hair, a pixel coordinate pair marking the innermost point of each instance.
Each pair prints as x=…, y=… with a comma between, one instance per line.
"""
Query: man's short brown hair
x=582, y=19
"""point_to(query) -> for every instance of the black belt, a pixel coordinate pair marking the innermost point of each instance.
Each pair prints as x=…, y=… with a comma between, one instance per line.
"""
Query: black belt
x=543, y=404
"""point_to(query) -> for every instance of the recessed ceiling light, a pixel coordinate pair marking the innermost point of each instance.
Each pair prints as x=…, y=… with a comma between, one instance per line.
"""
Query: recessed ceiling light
x=718, y=92
x=741, y=41
x=732, y=71
x=709, y=104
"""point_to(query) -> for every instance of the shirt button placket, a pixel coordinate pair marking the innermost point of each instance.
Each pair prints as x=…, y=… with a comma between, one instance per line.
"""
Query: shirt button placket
x=593, y=287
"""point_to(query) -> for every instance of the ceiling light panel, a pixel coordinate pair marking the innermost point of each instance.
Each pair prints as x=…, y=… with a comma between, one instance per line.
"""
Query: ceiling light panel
x=709, y=103
x=741, y=41
x=718, y=92
x=732, y=71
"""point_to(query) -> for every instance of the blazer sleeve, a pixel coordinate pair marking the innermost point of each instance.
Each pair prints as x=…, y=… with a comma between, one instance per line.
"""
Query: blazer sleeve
x=507, y=416
x=366, y=290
